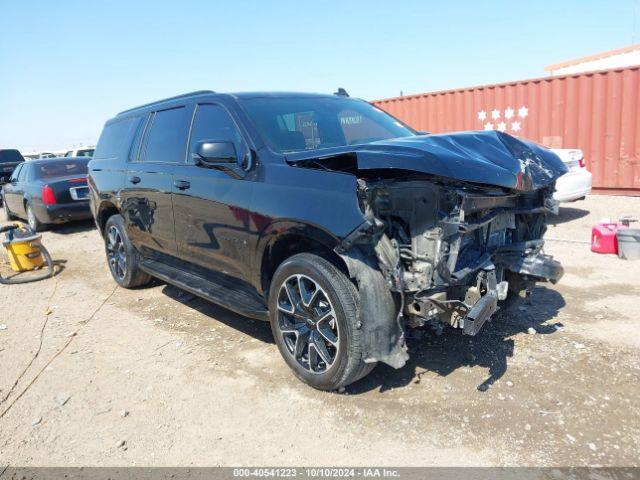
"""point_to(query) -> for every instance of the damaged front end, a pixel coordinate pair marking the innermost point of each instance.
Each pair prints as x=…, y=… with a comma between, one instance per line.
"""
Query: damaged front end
x=451, y=253
x=453, y=225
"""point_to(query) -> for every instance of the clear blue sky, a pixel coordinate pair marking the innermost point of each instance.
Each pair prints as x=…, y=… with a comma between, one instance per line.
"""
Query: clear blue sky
x=66, y=66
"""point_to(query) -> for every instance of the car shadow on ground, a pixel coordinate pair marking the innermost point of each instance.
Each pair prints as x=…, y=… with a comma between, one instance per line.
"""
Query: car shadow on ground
x=490, y=349
x=429, y=352
x=567, y=214
x=258, y=329
x=72, y=227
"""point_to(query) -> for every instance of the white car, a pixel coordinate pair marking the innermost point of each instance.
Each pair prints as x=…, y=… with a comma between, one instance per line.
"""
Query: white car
x=80, y=152
x=576, y=183
x=38, y=155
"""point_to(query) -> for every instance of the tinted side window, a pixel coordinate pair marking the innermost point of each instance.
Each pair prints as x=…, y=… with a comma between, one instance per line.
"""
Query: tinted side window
x=212, y=122
x=114, y=138
x=167, y=138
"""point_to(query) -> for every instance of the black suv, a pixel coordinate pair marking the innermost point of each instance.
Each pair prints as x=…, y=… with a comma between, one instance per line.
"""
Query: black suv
x=324, y=215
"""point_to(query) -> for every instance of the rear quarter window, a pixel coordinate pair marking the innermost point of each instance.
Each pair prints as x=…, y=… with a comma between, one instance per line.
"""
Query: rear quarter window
x=115, y=138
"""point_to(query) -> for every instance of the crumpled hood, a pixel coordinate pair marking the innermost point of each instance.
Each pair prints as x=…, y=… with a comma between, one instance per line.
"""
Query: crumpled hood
x=485, y=157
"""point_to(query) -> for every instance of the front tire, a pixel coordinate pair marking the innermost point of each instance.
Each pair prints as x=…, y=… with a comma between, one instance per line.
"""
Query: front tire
x=124, y=260
x=314, y=314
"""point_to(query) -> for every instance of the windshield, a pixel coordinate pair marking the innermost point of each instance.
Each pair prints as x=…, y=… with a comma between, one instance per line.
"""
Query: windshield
x=61, y=168
x=297, y=124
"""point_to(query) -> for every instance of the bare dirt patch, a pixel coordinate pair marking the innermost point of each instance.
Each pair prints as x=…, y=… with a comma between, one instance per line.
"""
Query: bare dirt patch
x=158, y=377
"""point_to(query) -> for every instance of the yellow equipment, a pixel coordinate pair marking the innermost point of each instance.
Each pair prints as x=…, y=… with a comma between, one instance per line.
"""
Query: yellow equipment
x=26, y=253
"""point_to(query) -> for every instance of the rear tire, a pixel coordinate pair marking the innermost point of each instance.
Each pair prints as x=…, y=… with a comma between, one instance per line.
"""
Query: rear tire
x=123, y=258
x=314, y=313
x=33, y=221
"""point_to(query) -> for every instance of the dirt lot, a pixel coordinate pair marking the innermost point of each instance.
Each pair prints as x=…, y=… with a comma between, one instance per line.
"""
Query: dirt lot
x=159, y=378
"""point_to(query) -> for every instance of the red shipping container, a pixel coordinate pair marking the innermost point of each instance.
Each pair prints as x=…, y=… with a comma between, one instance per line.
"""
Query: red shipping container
x=598, y=112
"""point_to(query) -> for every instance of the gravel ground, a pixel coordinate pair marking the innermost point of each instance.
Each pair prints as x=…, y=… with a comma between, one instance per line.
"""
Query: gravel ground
x=158, y=378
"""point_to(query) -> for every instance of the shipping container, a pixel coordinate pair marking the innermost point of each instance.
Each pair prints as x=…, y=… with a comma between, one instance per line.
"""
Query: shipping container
x=598, y=112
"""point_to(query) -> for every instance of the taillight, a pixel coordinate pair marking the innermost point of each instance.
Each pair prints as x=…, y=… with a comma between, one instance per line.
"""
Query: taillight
x=582, y=163
x=77, y=180
x=48, y=197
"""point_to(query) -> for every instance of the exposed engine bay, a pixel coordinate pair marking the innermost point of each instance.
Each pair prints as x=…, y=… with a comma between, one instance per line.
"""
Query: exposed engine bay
x=454, y=252
x=454, y=223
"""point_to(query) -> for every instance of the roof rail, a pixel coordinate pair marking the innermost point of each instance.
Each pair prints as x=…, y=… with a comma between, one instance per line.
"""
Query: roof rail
x=157, y=102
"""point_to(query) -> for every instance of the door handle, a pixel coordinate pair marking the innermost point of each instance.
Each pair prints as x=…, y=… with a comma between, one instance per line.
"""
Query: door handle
x=135, y=180
x=181, y=184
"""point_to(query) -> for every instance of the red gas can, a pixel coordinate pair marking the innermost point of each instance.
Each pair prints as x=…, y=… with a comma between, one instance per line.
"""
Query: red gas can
x=604, y=237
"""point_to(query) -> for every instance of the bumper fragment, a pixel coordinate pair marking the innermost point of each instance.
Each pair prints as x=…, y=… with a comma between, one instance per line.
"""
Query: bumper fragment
x=527, y=259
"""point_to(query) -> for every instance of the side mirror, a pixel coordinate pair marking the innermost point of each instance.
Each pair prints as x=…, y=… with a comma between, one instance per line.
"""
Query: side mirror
x=212, y=153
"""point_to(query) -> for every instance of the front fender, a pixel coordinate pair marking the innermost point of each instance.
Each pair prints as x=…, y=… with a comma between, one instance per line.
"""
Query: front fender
x=280, y=231
x=379, y=310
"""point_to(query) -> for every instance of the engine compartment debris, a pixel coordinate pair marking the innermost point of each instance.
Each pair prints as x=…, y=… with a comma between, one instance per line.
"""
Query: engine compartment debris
x=455, y=222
